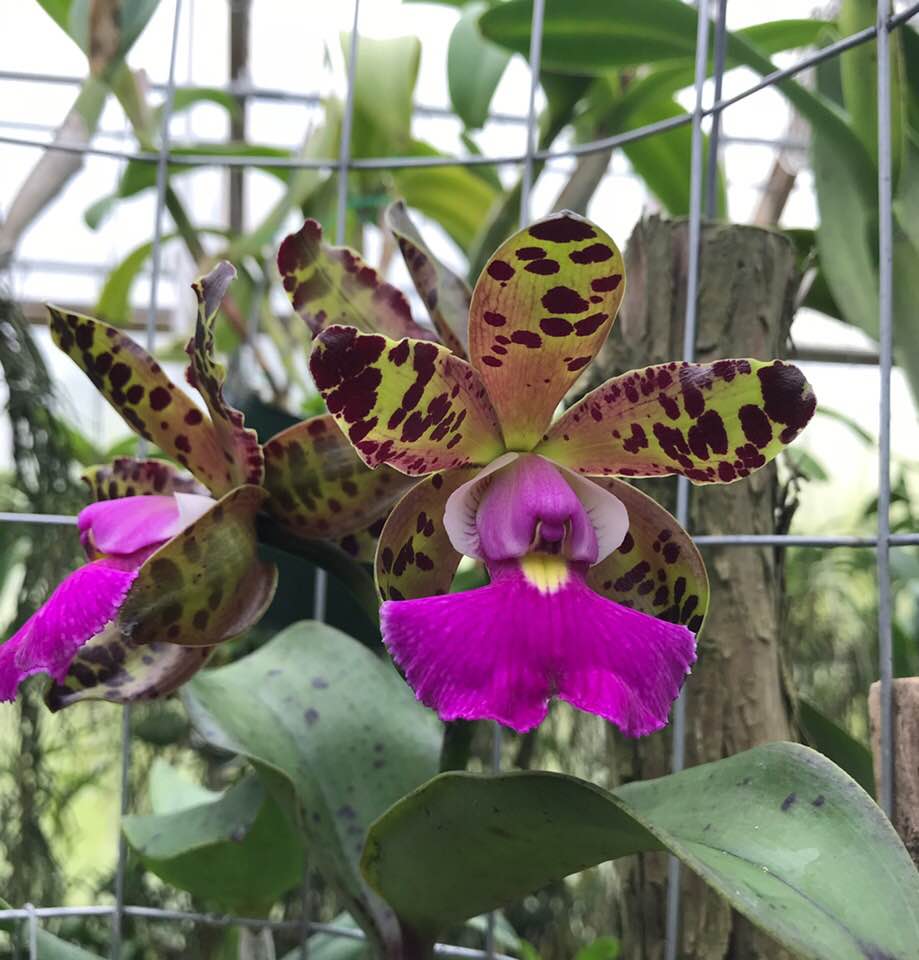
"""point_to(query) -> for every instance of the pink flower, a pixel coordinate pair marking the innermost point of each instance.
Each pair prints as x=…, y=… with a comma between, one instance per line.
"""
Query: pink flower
x=118, y=537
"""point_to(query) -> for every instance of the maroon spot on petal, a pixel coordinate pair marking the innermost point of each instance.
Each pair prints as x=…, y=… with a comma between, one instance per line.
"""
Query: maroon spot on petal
x=564, y=300
x=119, y=375
x=543, y=267
x=578, y=363
x=671, y=407
x=591, y=324
x=626, y=544
x=498, y=349
x=708, y=433
x=605, y=284
x=399, y=353
x=494, y=319
x=562, y=229
x=756, y=425
x=527, y=338
x=194, y=417
x=595, y=253
x=671, y=552
x=530, y=253
x=692, y=395
x=182, y=443
x=637, y=441
x=499, y=270
x=135, y=393
x=492, y=361
x=556, y=326
x=673, y=443
x=726, y=472
x=160, y=398
x=784, y=394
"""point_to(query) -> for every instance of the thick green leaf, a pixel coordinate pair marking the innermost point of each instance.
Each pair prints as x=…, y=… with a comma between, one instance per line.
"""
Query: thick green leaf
x=74, y=17
x=236, y=850
x=474, y=67
x=49, y=946
x=318, y=708
x=837, y=744
x=779, y=831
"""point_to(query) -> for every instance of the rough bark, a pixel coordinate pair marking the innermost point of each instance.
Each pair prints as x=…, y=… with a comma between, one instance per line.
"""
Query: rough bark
x=736, y=696
x=905, y=704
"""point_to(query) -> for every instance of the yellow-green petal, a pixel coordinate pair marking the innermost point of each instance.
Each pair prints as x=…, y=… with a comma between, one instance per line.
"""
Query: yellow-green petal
x=329, y=285
x=540, y=311
x=409, y=403
x=711, y=422
x=415, y=557
x=131, y=477
x=657, y=569
x=139, y=390
x=320, y=488
x=445, y=294
x=242, y=452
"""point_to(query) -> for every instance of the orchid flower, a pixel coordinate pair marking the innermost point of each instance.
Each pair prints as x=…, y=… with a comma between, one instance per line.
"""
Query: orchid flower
x=596, y=593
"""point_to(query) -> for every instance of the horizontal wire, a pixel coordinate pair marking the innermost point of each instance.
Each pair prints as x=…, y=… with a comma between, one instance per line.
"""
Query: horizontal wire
x=224, y=920
x=706, y=540
x=472, y=160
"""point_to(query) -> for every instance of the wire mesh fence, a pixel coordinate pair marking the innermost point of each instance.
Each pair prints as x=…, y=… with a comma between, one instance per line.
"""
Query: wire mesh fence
x=702, y=179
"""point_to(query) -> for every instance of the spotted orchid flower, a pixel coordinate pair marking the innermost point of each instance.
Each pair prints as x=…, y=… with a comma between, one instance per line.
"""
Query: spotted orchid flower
x=596, y=593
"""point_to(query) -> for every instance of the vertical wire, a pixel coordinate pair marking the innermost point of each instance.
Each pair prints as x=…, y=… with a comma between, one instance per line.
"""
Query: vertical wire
x=885, y=304
x=33, y=932
x=714, y=138
x=162, y=169
x=678, y=757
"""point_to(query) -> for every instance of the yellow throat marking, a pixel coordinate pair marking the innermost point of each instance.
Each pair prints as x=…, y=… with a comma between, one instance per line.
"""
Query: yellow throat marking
x=548, y=573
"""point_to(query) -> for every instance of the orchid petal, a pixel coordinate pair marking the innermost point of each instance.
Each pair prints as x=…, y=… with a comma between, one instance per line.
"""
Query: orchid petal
x=463, y=506
x=415, y=557
x=411, y=404
x=711, y=422
x=333, y=285
x=138, y=389
x=540, y=312
x=445, y=294
x=320, y=488
x=111, y=667
x=80, y=607
x=207, y=584
x=362, y=544
x=500, y=652
x=243, y=454
x=129, y=477
x=124, y=526
x=657, y=569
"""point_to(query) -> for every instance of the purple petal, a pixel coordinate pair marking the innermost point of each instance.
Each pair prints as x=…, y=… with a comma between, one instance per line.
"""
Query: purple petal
x=83, y=603
x=124, y=526
x=500, y=652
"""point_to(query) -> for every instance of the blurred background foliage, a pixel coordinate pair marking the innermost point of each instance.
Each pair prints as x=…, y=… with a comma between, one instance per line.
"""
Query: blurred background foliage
x=607, y=68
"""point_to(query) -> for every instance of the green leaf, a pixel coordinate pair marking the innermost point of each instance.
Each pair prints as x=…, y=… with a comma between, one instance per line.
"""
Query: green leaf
x=74, y=17
x=839, y=745
x=236, y=850
x=49, y=946
x=454, y=197
x=320, y=710
x=603, y=948
x=187, y=97
x=784, y=835
x=474, y=67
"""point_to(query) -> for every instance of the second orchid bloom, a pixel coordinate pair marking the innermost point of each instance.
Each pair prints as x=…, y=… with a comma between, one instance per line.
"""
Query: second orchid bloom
x=596, y=593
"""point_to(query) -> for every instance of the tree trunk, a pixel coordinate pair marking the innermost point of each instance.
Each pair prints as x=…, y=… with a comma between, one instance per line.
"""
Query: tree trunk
x=736, y=696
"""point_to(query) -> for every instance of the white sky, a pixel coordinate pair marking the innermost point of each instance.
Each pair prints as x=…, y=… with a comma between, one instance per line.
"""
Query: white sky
x=288, y=39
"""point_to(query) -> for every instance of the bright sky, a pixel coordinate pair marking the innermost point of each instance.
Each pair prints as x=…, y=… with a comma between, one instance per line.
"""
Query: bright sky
x=288, y=42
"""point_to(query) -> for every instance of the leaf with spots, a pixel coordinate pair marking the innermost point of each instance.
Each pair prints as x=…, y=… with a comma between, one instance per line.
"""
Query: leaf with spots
x=445, y=294
x=540, y=311
x=657, y=569
x=711, y=422
x=130, y=477
x=329, y=285
x=415, y=557
x=241, y=448
x=320, y=488
x=338, y=723
x=207, y=584
x=411, y=404
x=115, y=668
x=139, y=390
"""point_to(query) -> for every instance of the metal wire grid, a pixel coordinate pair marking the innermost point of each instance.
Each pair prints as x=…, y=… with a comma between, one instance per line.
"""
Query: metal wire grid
x=882, y=542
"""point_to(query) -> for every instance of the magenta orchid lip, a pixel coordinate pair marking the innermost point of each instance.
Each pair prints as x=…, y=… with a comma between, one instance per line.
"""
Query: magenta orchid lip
x=612, y=631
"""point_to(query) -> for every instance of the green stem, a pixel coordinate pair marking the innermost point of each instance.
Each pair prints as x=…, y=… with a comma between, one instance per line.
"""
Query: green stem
x=329, y=557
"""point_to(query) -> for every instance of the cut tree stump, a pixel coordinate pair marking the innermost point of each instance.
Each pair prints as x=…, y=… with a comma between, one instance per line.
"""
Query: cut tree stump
x=737, y=696
x=905, y=705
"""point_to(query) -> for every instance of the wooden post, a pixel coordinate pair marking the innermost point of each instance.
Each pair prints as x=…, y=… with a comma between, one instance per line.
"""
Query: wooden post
x=736, y=696
x=905, y=705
